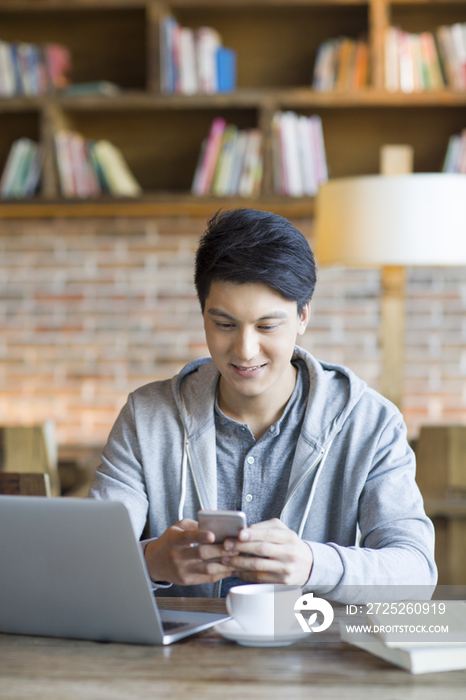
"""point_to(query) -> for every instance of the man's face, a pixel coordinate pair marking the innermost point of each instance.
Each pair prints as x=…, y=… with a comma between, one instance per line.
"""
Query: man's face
x=251, y=332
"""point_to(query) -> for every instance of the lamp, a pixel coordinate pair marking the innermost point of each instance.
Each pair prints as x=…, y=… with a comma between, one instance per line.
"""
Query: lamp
x=392, y=221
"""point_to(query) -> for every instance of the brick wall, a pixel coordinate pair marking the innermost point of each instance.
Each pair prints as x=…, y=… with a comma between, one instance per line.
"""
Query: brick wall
x=91, y=309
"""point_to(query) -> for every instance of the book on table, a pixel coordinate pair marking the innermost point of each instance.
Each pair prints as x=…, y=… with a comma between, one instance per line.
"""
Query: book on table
x=420, y=659
x=419, y=636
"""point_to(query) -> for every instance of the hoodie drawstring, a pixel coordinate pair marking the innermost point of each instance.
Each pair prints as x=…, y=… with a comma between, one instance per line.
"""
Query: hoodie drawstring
x=184, y=475
x=184, y=472
x=217, y=590
x=313, y=489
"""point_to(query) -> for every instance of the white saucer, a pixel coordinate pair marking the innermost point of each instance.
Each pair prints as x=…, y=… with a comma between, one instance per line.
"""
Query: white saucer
x=231, y=630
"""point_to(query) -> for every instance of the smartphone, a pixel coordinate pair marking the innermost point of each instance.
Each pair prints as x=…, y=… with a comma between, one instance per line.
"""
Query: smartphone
x=223, y=523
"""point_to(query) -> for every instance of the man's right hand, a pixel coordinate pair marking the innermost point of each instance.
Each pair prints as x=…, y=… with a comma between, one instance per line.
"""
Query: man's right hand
x=181, y=555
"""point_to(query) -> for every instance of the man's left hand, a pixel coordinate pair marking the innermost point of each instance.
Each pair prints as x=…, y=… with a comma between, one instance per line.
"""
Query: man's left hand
x=281, y=556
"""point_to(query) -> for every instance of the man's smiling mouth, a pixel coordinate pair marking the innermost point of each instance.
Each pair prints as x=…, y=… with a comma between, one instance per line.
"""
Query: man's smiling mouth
x=248, y=369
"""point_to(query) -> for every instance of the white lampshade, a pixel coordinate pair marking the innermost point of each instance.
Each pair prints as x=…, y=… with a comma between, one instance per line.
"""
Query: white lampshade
x=415, y=219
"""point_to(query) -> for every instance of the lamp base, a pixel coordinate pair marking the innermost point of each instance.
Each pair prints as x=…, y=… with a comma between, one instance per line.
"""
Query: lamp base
x=392, y=309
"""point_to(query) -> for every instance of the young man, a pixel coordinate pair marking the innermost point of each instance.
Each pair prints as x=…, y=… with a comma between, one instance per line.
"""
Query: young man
x=306, y=449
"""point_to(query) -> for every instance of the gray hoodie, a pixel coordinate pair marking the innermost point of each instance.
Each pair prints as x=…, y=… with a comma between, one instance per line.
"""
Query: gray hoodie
x=351, y=494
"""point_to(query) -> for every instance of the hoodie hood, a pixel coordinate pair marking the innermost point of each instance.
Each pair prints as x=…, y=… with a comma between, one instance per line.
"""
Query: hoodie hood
x=352, y=471
x=334, y=392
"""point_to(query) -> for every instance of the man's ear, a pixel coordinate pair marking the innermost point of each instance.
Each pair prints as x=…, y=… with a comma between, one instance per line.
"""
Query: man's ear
x=304, y=318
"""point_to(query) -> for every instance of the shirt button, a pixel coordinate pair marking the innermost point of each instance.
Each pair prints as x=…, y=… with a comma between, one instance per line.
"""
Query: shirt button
x=249, y=498
x=250, y=460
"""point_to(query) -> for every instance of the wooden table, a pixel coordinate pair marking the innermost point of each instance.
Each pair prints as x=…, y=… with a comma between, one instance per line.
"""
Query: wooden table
x=208, y=667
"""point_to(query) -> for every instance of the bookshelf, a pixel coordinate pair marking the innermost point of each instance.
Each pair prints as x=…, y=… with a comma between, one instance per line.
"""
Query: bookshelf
x=160, y=135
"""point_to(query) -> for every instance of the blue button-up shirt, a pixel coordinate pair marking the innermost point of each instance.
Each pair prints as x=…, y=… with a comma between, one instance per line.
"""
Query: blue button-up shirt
x=253, y=475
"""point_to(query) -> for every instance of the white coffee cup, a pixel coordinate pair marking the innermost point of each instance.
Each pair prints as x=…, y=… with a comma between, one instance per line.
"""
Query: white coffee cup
x=264, y=609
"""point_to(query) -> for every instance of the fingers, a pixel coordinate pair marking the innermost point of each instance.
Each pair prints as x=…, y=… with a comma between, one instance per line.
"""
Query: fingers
x=186, y=533
x=257, y=563
x=267, y=531
x=187, y=524
x=210, y=551
x=271, y=552
x=187, y=566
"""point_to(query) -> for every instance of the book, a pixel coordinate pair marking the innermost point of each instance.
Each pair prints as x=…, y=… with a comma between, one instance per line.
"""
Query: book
x=33, y=176
x=58, y=63
x=325, y=66
x=319, y=149
x=455, y=156
x=431, y=60
x=416, y=660
x=167, y=75
x=225, y=161
x=229, y=163
x=86, y=168
x=7, y=73
x=31, y=69
x=406, y=62
x=212, y=150
x=448, y=58
x=298, y=151
x=361, y=66
x=102, y=182
x=420, y=77
x=278, y=174
x=413, y=63
x=84, y=175
x=346, y=60
x=392, y=82
x=97, y=87
x=400, y=629
x=64, y=164
x=238, y=160
x=187, y=67
x=290, y=153
x=459, y=52
x=251, y=176
x=119, y=177
x=341, y=64
x=14, y=155
x=194, y=61
x=21, y=173
x=17, y=189
x=208, y=42
x=452, y=155
x=226, y=69
x=307, y=157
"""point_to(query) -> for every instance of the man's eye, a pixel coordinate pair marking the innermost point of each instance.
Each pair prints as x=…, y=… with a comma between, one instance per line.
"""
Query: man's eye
x=225, y=326
x=267, y=328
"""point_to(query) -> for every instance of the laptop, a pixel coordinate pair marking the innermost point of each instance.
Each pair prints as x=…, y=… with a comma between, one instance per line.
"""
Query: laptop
x=71, y=567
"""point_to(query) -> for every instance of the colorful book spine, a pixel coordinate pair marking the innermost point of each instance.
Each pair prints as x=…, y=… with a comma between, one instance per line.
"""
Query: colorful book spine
x=230, y=162
x=226, y=69
x=210, y=160
x=341, y=64
x=21, y=173
x=195, y=61
x=299, y=160
x=30, y=70
x=88, y=168
x=416, y=62
x=455, y=157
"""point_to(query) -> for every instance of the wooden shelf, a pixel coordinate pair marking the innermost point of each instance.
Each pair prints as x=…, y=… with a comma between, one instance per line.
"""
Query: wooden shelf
x=158, y=205
x=252, y=98
x=160, y=135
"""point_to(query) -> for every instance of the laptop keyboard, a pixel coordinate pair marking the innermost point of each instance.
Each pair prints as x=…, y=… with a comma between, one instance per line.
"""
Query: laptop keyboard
x=170, y=626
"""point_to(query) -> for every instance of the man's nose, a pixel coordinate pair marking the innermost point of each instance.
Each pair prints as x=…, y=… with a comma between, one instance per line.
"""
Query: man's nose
x=246, y=345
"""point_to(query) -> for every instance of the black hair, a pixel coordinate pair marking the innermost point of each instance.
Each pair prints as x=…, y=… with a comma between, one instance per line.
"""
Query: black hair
x=246, y=245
